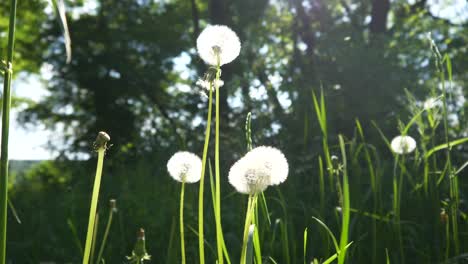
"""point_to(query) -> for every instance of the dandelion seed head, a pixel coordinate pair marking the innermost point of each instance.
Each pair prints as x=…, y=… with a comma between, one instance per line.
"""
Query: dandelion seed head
x=403, y=144
x=218, y=40
x=185, y=166
x=258, y=169
x=206, y=84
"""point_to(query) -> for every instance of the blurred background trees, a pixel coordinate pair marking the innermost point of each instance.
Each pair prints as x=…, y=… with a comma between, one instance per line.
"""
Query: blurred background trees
x=133, y=72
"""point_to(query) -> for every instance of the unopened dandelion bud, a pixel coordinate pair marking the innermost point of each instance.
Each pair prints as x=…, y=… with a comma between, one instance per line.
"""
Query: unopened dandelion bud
x=113, y=205
x=101, y=140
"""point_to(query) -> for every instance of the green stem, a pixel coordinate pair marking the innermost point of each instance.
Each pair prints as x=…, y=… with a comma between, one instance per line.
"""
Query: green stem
x=248, y=221
x=182, y=239
x=219, y=239
x=94, y=201
x=201, y=240
x=5, y=132
x=453, y=179
x=106, y=234
x=95, y=231
x=346, y=206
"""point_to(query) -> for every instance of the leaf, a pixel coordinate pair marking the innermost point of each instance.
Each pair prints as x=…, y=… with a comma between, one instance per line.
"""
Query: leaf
x=59, y=7
x=445, y=145
x=329, y=232
x=334, y=256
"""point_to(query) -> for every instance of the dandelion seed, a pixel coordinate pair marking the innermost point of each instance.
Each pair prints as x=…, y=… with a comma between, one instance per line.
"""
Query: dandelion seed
x=403, y=144
x=185, y=166
x=206, y=84
x=431, y=103
x=218, y=40
x=258, y=169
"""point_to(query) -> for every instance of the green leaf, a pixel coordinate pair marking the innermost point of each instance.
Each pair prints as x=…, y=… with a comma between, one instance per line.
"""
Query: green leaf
x=445, y=145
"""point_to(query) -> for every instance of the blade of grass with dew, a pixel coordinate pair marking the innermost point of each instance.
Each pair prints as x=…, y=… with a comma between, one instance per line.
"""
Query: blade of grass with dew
x=346, y=206
x=7, y=79
x=201, y=239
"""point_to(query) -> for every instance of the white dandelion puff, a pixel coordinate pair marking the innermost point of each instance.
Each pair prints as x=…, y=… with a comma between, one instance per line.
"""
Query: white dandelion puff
x=258, y=169
x=403, y=144
x=431, y=103
x=206, y=84
x=218, y=40
x=185, y=166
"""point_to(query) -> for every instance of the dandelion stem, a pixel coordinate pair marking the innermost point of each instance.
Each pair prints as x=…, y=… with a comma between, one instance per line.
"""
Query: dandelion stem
x=182, y=239
x=5, y=131
x=219, y=239
x=201, y=240
x=248, y=221
x=94, y=201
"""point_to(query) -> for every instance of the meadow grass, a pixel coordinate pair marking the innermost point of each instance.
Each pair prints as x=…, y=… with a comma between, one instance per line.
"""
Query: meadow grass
x=346, y=202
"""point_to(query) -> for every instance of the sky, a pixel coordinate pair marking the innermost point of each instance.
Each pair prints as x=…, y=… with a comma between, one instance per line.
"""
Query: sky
x=30, y=143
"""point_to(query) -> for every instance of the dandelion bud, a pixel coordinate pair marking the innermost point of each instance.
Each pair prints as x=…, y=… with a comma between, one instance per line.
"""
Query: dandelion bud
x=185, y=167
x=218, y=44
x=113, y=205
x=258, y=169
x=101, y=140
x=403, y=144
x=139, y=253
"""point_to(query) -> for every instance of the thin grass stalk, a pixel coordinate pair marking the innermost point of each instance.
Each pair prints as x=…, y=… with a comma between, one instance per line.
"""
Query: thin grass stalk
x=94, y=201
x=219, y=238
x=201, y=239
x=106, y=233
x=181, y=223
x=454, y=194
x=373, y=179
x=8, y=74
x=321, y=187
x=346, y=206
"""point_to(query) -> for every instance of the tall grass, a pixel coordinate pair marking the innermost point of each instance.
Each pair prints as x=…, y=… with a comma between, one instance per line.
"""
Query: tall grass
x=7, y=78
